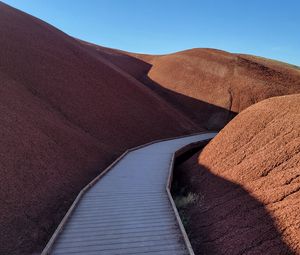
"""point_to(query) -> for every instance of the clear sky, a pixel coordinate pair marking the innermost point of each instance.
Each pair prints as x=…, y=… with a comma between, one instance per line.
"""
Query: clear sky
x=268, y=28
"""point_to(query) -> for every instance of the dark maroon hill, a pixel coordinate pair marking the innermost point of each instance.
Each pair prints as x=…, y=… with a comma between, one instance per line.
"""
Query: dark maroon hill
x=65, y=115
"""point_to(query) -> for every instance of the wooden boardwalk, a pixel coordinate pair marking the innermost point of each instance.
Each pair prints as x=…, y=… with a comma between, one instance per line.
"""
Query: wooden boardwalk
x=129, y=210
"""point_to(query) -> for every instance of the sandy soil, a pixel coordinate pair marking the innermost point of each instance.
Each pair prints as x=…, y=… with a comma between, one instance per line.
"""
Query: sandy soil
x=248, y=183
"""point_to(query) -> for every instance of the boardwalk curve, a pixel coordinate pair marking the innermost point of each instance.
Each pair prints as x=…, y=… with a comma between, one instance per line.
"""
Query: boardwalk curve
x=128, y=209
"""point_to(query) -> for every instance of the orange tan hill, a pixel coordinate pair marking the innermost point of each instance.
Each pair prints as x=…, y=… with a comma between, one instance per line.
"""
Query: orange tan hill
x=248, y=181
x=209, y=86
x=225, y=80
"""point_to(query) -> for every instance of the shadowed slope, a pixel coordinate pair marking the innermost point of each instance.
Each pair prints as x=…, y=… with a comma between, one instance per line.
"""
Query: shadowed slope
x=256, y=155
x=226, y=218
x=207, y=85
x=205, y=115
x=223, y=79
x=65, y=115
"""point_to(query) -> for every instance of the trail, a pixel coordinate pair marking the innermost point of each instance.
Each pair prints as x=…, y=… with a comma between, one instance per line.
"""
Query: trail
x=129, y=210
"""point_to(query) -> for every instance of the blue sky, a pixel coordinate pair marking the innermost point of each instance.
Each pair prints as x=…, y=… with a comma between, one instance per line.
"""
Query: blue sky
x=268, y=28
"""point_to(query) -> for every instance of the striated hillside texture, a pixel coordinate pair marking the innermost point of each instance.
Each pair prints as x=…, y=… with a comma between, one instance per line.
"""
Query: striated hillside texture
x=248, y=183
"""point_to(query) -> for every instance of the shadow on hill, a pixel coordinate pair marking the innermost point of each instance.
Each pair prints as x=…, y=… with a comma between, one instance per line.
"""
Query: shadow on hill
x=203, y=114
x=221, y=217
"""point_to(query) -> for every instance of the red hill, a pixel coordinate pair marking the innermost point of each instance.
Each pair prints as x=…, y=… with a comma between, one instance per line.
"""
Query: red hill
x=65, y=115
x=248, y=179
x=68, y=108
x=209, y=86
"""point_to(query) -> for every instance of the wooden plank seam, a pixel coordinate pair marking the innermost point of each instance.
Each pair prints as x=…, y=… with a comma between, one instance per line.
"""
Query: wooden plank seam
x=49, y=246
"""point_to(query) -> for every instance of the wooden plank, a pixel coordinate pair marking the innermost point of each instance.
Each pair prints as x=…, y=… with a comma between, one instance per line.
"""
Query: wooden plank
x=128, y=203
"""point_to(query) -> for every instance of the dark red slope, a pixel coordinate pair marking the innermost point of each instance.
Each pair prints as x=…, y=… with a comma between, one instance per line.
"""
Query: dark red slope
x=65, y=115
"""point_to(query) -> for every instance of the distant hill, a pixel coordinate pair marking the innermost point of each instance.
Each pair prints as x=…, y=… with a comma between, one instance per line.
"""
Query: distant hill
x=209, y=86
x=223, y=81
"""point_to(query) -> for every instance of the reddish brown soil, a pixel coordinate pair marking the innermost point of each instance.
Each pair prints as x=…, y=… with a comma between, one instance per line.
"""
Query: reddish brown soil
x=248, y=179
x=68, y=108
x=65, y=115
x=221, y=79
x=209, y=86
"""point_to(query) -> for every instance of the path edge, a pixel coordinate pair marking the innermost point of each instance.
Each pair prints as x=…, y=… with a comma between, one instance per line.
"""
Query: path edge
x=49, y=246
x=177, y=153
